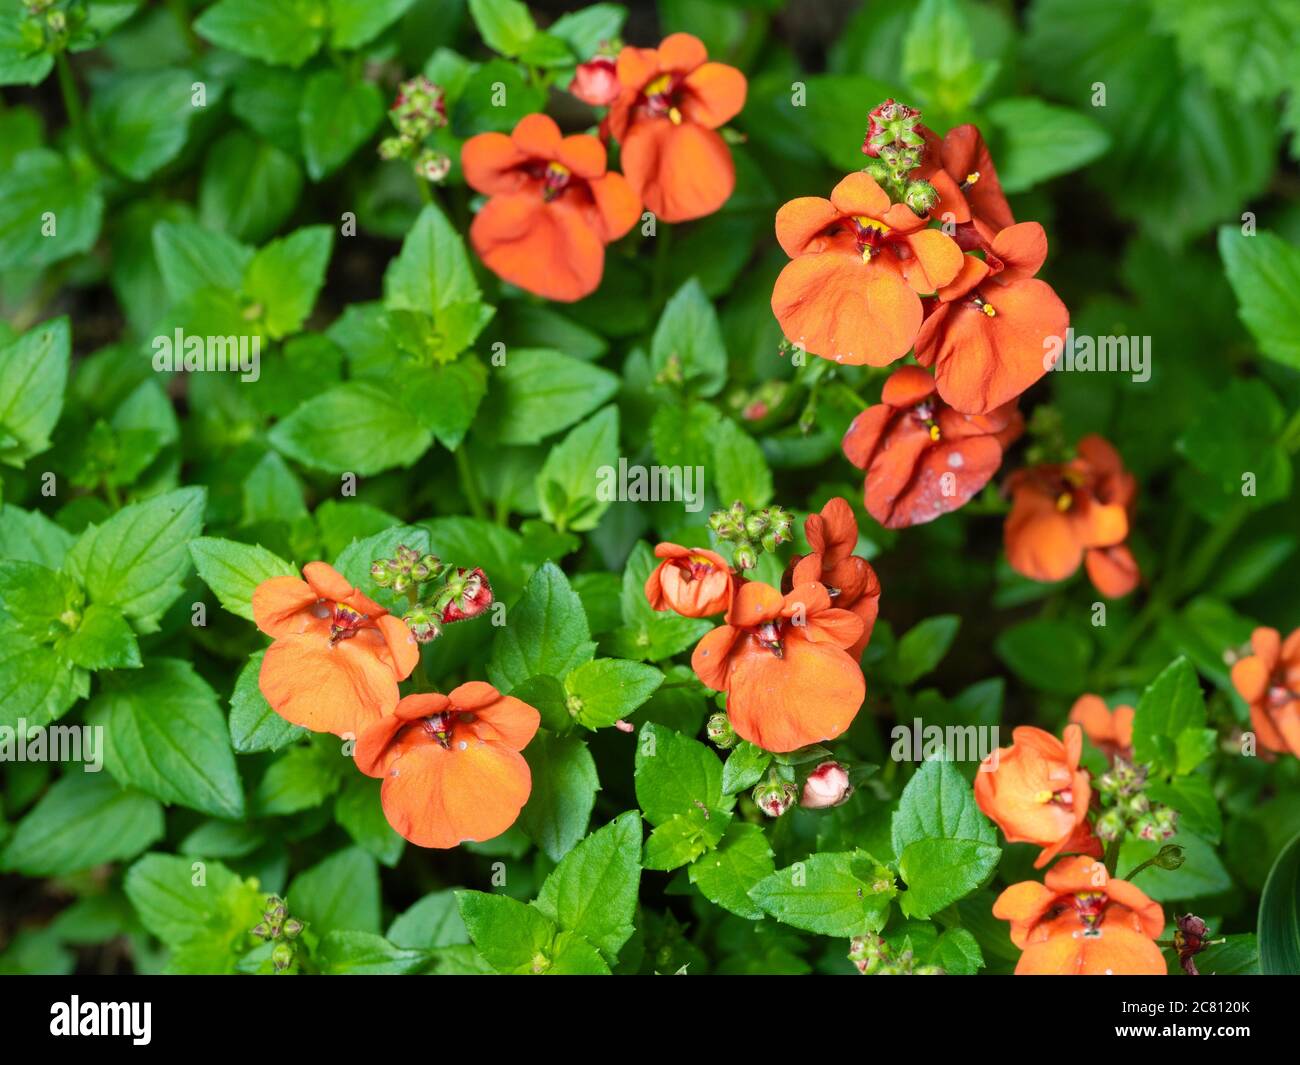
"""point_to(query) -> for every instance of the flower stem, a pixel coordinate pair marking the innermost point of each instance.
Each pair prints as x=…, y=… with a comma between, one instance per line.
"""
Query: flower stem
x=71, y=98
x=469, y=484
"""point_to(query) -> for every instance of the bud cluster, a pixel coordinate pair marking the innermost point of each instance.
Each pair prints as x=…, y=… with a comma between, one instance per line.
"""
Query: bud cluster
x=1126, y=808
x=895, y=146
x=752, y=531
x=277, y=926
x=464, y=593
x=49, y=25
x=872, y=956
x=419, y=109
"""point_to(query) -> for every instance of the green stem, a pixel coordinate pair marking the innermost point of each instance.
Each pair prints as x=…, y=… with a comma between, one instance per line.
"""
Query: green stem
x=426, y=194
x=71, y=98
x=1112, y=856
x=181, y=13
x=469, y=484
x=112, y=495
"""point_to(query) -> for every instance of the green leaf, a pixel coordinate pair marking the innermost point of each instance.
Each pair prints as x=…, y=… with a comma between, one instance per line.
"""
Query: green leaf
x=140, y=120
x=957, y=952
x=1169, y=730
x=138, y=558
x=249, y=186
x=687, y=343
x=165, y=735
x=676, y=775
x=546, y=632
x=275, y=31
x=431, y=923
x=1193, y=797
x=939, y=60
x=585, y=30
x=739, y=468
x=201, y=910
x=33, y=375
x=1245, y=51
x=343, y=953
x=22, y=59
x=1041, y=141
x=340, y=893
x=1264, y=271
x=539, y=392
x=354, y=428
x=593, y=891
x=726, y=874
x=744, y=767
x=938, y=872
x=354, y=23
x=254, y=726
x=234, y=570
x=1279, y=917
x=569, y=484
x=28, y=535
x=285, y=276
x=838, y=894
x=1051, y=655
x=922, y=648
x=37, y=600
x=683, y=838
x=338, y=116
x=36, y=686
x=193, y=259
x=84, y=820
x=50, y=209
x=505, y=25
x=300, y=779
x=432, y=271
x=511, y=936
x=609, y=689
x=103, y=640
x=1237, y=433
x=565, y=783
x=359, y=811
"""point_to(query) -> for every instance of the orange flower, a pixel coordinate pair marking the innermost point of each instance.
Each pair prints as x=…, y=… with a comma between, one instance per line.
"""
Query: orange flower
x=337, y=655
x=665, y=119
x=858, y=261
x=1112, y=733
x=1037, y=793
x=922, y=458
x=961, y=169
x=1062, y=515
x=783, y=664
x=850, y=580
x=991, y=332
x=692, y=581
x=1269, y=680
x=553, y=207
x=1082, y=922
x=451, y=765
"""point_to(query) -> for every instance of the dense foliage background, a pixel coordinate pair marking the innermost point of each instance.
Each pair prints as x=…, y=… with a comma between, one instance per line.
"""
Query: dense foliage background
x=381, y=418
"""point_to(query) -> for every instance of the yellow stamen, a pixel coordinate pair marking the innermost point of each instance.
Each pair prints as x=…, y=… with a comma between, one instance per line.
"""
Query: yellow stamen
x=871, y=223
x=659, y=85
x=989, y=310
x=972, y=177
x=1064, y=501
x=1043, y=796
x=674, y=116
x=558, y=169
x=934, y=432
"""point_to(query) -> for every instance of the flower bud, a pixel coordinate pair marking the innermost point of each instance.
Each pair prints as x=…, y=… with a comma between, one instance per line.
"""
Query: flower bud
x=868, y=952
x=1137, y=805
x=756, y=524
x=292, y=927
x=282, y=957
x=424, y=627
x=432, y=166
x=419, y=109
x=260, y=930
x=401, y=582
x=827, y=785
x=746, y=557
x=470, y=594
x=394, y=147
x=877, y=170
x=774, y=796
x=380, y=573
x=595, y=82
x=921, y=197
x=1110, y=825
x=1171, y=856
x=720, y=732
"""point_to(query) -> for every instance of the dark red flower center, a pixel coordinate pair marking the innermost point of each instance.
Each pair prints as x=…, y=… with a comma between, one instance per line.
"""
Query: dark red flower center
x=345, y=622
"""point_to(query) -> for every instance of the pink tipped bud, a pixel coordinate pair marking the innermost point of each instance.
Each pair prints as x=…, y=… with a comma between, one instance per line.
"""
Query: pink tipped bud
x=471, y=594
x=827, y=785
x=595, y=82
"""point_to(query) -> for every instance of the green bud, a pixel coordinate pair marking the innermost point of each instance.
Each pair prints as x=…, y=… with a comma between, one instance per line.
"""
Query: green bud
x=423, y=625
x=1110, y=825
x=380, y=573
x=282, y=957
x=746, y=557
x=401, y=582
x=720, y=732
x=775, y=796
x=1171, y=856
x=756, y=524
x=921, y=197
x=394, y=147
x=292, y=927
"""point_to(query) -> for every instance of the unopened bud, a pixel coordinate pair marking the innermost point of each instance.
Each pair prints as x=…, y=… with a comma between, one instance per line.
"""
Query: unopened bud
x=282, y=956
x=827, y=785
x=292, y=927
x=921, y=197
x=720, y=732
x=774, y=796
x=394, y=147
x=868, y=952
x=432, y=166
x=746, y=557
x=1171, y=856
x=424, y=627
x=380, y=573
x=1110, y=825
x=469, y=594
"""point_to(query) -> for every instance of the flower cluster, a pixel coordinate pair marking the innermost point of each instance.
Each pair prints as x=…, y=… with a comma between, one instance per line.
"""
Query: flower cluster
x=451, y=764
x=419, y=109
x=776, y=647
x=553, y=204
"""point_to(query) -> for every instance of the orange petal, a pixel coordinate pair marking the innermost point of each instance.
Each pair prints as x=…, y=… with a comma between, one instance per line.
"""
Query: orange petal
x=584, y=155
x=437, y=797
x=1112, y=570
x=716, y=93
x=802, y=219
x=842, y=309
x=1098, y=524
x=681, y=171
x=1267, y=644
x=754, y=603
x=947, y=477
x=281, y=606
x=858, y=194
x=865, y=433
x=1024, y=905
x=1039, y=540
x=836, y=531
x=1022, y=249
x=547, y=249
x=537, y=137
x=401, y=644
x=506, y=720
x=681, y=53
x=1250, y=676
x=327, y=582
x=810, y=694
x=1092, y=714
x=491, y=164
x=711, y=657
x=907, y=386
x=339, y=689
x=637, y=67
x=617, y=205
